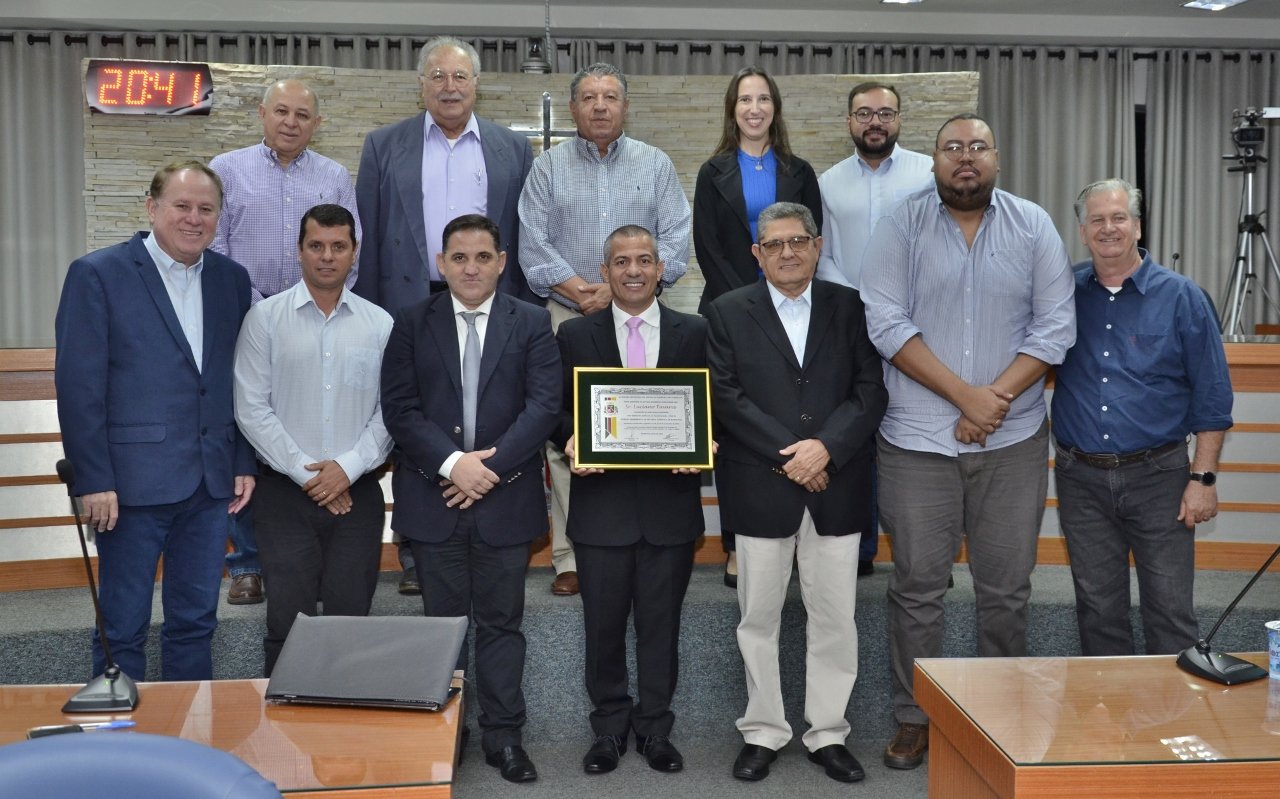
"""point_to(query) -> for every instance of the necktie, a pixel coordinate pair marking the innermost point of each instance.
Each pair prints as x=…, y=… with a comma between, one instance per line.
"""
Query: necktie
x=635, y=344
x=470, y=379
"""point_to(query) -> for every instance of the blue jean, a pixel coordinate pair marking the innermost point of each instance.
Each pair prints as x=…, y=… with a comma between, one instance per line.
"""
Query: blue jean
x=192, y=537
x=243, y=557
x=1106, y=514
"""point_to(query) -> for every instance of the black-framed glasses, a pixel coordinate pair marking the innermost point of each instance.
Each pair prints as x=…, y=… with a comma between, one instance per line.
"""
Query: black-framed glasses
x=954, y=152
x=439, y=77
x=886, y=115
x=798, y=244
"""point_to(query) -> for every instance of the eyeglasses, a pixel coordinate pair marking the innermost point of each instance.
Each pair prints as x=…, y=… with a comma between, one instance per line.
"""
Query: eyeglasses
x=439, y=77
x=798, y=244
x=863, y=115
x=954, y=152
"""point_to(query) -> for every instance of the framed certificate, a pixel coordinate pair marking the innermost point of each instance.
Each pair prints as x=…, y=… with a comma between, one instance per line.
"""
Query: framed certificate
x=642, y=418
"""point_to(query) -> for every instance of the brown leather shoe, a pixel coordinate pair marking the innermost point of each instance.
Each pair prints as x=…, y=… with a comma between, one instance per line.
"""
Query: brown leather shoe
x=906, y=750
x=246, y=589
x=565, y=584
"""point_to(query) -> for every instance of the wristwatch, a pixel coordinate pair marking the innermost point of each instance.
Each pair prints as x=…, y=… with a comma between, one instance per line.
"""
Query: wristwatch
x=1206, y=478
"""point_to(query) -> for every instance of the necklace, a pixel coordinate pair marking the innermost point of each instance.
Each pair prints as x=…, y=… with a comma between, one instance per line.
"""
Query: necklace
x=757, y=160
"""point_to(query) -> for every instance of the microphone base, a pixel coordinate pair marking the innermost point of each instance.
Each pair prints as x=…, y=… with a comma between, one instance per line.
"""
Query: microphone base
x=105, y=693
x=1220, y=668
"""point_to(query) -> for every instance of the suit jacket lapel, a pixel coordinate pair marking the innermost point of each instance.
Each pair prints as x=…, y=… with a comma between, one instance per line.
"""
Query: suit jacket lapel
x=408, y=176
x=160, y=296
x=670, y=337
x=820, y=317
x=790, y=188
x=496, y=165
x=502, y=323
x=605, y=338
x=761, y=309
x=728, y=182
x=444, y=328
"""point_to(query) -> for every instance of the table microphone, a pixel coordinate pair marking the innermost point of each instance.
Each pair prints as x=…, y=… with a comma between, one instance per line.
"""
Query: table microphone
x=1201, y=661
x=113, y=690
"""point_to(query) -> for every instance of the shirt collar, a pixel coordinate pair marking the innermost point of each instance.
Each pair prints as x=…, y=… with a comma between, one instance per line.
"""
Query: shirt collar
x=778, y=297
x=269, y=155
x=162, y=259
x=1141, y=277
x=301, y=297
x=472, y=127
x=485, y=307
x=588, y=147
x=651, y=315
x=885, y=164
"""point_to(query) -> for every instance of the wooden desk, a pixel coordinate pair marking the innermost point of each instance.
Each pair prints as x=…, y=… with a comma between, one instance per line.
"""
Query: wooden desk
x=337, y=753
x=1034, y=728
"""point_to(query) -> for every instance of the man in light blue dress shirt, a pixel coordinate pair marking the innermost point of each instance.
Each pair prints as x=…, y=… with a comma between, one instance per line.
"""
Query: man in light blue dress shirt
x=307, y=368
x=971, y=302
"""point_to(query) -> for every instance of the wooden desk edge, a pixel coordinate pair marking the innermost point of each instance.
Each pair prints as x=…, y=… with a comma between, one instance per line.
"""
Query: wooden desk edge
x=958, y=749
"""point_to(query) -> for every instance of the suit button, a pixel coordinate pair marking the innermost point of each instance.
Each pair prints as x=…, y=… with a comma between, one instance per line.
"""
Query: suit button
x=457, y=431
x=804, y=417
x=203, y=392
x=204, y=431
x=798, y=381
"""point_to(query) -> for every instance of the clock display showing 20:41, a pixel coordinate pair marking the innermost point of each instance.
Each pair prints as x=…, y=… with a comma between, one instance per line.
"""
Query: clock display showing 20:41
x=160, y=88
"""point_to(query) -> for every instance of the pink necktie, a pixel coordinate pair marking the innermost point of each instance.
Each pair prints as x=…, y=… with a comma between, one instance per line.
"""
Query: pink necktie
x=635, y=344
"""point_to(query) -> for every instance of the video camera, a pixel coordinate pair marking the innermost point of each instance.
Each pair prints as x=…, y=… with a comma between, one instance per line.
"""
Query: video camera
x=1248, y=135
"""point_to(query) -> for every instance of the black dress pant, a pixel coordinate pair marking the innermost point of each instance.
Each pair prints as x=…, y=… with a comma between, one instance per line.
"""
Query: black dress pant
x=310, y=555
x=464, y=576
x=615, y=581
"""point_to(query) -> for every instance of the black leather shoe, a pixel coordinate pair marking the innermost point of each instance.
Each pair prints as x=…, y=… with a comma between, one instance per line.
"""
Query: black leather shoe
x=866, y=568
x=660, y=752
x=409, y=585
x=604, y=754
x=839, y=762
x=753, y=762
x=513, y=764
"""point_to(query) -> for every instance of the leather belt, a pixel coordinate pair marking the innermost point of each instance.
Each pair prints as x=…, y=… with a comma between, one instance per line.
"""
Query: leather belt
x=1106, y=460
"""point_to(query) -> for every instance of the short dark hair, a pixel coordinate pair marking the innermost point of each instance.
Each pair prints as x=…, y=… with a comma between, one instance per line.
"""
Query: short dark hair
x=628, y=232
x=472, y=222
x=958, y=118
x=870, y=86
x=160, y=180
x=597, y=70
x=327, y=215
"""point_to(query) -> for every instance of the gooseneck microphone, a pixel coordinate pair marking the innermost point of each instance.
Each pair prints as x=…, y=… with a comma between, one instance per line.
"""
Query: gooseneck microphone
x=113, y=690
x=1202, y=661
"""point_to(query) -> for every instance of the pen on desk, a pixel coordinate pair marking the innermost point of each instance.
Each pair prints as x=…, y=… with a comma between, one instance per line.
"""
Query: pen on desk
x=93, y=726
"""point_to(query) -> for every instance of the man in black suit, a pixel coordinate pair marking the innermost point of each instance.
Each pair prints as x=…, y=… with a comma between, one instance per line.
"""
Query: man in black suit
x=798, y=392
x=470, y=393
x=633, y=530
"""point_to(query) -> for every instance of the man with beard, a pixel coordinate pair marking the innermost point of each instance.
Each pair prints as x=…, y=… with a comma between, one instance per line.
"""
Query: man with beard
x=971, y=302
x=868, y=184
x=855, y=193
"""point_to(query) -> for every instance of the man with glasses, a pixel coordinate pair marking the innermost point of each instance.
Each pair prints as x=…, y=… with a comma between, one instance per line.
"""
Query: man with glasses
x=798, y=391
x=858, y=191
x=578, y=193
x=419, y=174
x=971, y=302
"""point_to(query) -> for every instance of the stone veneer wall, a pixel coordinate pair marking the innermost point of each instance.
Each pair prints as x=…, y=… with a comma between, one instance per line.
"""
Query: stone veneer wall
x=680, y=114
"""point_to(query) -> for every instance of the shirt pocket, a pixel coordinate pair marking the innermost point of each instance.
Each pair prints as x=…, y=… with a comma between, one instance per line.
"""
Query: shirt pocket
x=360, y=368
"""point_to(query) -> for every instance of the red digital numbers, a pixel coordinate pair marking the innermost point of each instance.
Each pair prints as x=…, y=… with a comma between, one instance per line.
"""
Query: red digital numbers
x=143, y=87
x=162, y=88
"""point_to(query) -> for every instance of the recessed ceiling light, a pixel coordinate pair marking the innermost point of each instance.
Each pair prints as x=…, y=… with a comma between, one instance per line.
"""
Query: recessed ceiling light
x=900, y=2
x=1213, y=5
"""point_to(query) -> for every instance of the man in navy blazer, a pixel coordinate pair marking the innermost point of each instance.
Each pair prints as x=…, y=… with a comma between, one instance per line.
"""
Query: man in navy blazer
x=468, y=480
x=633, y=530
x=146, y=331
x=401, y=237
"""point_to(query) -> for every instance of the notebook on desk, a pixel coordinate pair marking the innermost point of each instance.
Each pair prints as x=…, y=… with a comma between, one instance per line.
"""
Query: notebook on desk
x=368, y=661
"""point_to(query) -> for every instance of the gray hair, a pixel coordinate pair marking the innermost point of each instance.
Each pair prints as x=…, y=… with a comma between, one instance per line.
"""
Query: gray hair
x=597, y=70
x=1110, y=184
x=271, y=87
x=787, y=211
x=439, y=42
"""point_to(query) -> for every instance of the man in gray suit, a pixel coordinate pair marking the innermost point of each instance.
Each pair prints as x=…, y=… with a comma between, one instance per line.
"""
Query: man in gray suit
x=419, y=174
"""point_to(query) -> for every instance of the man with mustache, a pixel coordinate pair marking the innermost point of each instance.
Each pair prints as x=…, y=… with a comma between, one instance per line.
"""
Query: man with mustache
x=578, y=193
x=425, y=171
x=855, y=193
x=971, y=302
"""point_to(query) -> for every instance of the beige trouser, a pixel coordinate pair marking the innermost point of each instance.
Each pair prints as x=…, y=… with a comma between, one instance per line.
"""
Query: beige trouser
x=561, y=547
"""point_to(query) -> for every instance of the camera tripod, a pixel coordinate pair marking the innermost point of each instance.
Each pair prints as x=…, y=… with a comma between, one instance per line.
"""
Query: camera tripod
x=1251, y=230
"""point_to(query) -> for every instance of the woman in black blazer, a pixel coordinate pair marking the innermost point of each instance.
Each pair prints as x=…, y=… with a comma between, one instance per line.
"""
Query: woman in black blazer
x=752, y=167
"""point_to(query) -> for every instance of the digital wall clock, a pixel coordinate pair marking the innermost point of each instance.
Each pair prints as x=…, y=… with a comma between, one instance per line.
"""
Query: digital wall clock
x=159, y=88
